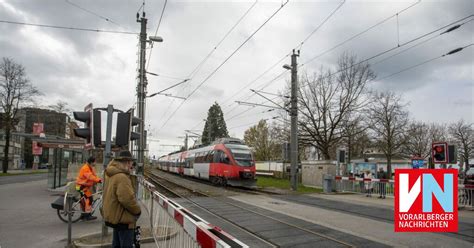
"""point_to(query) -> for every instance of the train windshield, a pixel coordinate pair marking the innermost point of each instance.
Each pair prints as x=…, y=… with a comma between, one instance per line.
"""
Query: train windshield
x=241, y=153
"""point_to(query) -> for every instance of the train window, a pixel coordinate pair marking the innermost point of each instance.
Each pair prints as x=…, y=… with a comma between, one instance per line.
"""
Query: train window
x=224, y=158
x=196, y=159
x=217, y=156
x=200, y=157
x=221, y=157
x=210, y=157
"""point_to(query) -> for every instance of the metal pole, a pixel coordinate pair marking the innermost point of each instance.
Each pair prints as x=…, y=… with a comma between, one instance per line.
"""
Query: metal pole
x=69, y=201
x=107, y=153
x=141, y=92
x=294, y=120
x=186, y=143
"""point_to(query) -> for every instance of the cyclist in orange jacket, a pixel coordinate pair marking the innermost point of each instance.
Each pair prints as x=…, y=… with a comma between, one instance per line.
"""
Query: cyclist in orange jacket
x=86, y=179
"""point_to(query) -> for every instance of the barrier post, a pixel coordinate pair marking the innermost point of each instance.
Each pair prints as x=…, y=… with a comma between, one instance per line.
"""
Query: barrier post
x=69, y=201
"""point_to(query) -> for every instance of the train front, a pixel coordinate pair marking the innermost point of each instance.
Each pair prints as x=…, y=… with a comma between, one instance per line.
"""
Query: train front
x=244, y=165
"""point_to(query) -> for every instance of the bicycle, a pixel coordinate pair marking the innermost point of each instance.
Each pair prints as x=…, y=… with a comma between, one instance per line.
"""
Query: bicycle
x=76, y=208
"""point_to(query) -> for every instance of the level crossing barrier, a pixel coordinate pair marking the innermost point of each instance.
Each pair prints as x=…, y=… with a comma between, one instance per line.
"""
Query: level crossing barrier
x=174, y=226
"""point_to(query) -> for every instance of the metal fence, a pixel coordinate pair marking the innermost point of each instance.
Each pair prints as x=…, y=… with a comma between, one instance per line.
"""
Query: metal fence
x=465, y=196
x=376, y=187
x=358, y=185
x=174, y=226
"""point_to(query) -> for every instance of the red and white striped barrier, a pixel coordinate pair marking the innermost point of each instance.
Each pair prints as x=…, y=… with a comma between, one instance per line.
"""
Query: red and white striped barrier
x=363, y=179
x=204, y=233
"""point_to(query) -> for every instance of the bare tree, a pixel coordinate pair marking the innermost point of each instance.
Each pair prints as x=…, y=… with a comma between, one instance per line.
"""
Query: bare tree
x=388, y=120
x=438, y=132
x=61, y=107
x=463, y=136
x=419, y=143
x=328, y=99
x=355, y=137
x=15, y=91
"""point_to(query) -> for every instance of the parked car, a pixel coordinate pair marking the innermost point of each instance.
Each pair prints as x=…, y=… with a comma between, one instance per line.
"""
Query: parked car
x=43, y=166
x=469, y=179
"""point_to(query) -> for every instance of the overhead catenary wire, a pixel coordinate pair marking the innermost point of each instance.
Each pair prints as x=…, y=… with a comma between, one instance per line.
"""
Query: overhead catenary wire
x=425, y=62
x=69, y=28
x=156, y=32
x=300, y=44
x=236, y=106
x=93, y=13
x=199, y=66
x=238, y=48
x=361, y=33
x=225, y=61
x=401, y=45
x=320, y=25
x=403, y=70
x=340, y=44
x=253, y=123
x=277, y=63
x=279, y=76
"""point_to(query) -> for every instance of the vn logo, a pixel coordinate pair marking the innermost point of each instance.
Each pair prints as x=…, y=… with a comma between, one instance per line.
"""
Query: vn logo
x=426, y=200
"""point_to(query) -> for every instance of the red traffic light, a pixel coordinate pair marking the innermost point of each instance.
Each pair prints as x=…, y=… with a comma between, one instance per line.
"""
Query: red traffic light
x=439, y=149
x=440, y=152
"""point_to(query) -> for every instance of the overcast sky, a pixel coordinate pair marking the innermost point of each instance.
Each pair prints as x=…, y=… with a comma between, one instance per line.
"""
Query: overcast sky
x=80, y=67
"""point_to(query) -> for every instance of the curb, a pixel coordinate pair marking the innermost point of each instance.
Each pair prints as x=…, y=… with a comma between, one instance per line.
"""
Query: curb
x=80, y=242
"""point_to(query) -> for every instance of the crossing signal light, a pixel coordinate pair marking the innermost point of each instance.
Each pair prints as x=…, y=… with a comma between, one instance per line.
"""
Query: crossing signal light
x=92, y=127
x=125, y=123
x=440, y=153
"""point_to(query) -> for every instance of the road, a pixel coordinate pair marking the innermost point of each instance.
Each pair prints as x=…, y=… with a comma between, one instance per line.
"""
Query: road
x=22, y=178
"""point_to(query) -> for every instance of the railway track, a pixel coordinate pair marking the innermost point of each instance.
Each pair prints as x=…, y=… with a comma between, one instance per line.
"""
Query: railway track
x=250, y=213
x=466, y=230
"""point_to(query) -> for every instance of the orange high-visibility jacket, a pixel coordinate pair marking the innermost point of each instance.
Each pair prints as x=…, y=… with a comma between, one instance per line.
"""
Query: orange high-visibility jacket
x=87, y=176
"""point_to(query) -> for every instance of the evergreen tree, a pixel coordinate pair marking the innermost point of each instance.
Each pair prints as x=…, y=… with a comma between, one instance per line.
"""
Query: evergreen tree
x=215, y=123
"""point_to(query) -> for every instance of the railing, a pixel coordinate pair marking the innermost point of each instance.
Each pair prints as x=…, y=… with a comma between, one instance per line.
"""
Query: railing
x=365, y=186
x=376, y=186
x=465, y=196
x=174, y=226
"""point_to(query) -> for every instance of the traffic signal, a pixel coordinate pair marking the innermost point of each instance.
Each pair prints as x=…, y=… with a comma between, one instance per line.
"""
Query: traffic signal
x=92, y=127
x=341, y=156
x=452, y=158
x=125, y=123
x=440, y=152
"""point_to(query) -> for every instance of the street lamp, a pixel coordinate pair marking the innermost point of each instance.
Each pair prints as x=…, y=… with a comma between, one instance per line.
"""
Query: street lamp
x=152, y=39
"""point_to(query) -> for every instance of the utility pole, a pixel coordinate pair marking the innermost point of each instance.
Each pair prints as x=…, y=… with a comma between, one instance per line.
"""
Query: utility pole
x=141, y=91
x=107, y=153
x=186, y=142
x=294, y=120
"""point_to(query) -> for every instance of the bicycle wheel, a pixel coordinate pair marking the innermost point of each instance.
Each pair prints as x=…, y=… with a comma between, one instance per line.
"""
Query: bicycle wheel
x=76, y=212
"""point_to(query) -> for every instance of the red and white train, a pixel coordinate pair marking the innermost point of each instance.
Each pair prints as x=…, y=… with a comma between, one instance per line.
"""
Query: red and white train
x=227, y=161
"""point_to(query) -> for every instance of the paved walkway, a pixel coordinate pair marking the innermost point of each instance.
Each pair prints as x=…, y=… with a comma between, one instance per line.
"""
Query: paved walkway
x=27, y=219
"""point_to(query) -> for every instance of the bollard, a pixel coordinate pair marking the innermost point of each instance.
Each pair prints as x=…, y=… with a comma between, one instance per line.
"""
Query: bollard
x=69, y=201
